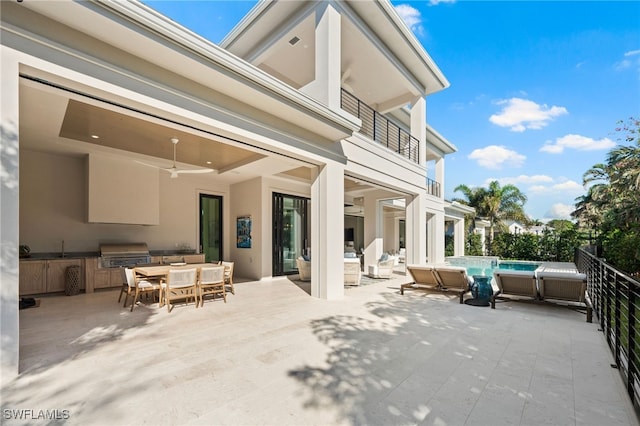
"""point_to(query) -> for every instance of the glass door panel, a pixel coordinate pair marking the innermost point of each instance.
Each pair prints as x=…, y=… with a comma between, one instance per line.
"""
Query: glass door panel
x=211, y=227
x=290, y=232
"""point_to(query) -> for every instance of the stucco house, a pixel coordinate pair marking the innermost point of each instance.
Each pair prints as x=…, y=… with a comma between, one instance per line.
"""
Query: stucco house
x=307, y=126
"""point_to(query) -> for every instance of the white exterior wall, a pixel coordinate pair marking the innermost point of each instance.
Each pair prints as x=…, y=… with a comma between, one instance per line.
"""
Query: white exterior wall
x=9, y=149
x=54, y=187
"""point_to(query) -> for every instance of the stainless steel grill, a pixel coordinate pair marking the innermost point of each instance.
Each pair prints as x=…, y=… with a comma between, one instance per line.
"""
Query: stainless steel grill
x=125, y=254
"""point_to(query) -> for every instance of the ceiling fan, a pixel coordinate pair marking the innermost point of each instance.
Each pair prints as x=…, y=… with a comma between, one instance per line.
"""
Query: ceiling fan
x=174, y=170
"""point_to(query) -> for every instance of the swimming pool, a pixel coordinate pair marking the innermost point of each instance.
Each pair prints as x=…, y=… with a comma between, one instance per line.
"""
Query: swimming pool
x=486, y=265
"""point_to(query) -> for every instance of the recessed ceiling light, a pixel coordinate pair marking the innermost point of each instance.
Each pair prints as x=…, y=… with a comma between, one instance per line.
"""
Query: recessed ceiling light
x=95, y=137
x=208, y=162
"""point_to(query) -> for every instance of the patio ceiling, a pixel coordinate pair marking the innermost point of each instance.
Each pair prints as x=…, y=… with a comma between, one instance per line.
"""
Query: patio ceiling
x=62, y=123
x=57, y=122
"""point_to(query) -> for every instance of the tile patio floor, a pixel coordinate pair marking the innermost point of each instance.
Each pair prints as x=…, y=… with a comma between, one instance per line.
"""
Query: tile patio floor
x=275, y=356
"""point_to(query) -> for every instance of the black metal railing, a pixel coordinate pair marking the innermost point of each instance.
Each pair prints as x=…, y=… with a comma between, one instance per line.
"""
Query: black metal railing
x=433, y=187
x=616, y=301
x=380, y=129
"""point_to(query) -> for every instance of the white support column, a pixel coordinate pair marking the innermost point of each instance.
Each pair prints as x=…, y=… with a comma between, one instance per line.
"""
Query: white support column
x=327, y=232
x=458, y=237
x=440, y=175
x=326, y=85
x=9, y=226
x=416, y=230
x=373, y=231
x=436, y=237
x=419, y=127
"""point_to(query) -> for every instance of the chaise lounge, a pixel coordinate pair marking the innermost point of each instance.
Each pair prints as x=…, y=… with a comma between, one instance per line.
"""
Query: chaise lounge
x=438, y=278
x=567, y=287
x=521, y=284
x=549, y=286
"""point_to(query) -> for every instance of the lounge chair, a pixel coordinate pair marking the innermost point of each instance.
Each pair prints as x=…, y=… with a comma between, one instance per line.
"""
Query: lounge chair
x=438, y=278
x=565, y=286
x=424, y=278
x=521, y=284
x=454, y=279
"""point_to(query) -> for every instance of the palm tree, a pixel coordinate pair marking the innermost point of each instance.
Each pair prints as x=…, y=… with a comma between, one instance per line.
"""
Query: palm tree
x=612, y=202
x=496, y=203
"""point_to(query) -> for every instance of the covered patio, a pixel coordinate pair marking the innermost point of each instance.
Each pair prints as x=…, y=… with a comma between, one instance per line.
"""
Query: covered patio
x=273, y=355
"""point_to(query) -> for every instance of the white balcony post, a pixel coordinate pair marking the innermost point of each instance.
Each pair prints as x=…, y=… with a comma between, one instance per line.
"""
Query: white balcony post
x=326, y=85
x=419, y=128
x=440, y=175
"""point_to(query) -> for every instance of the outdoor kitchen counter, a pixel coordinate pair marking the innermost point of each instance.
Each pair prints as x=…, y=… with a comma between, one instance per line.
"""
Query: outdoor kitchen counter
x=43, y=273
x=49, y=256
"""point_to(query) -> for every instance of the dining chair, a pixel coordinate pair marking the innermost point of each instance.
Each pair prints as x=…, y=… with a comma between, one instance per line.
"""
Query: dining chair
x=211, y=281
x=180, y=284
x=137, y=286
x=228, y=275
x=125, y=285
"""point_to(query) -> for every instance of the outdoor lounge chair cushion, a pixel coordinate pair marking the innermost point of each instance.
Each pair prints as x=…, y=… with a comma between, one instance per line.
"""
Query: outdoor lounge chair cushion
x=516, y=283
x=428, y=277
x=569, y=286
x=453, y=277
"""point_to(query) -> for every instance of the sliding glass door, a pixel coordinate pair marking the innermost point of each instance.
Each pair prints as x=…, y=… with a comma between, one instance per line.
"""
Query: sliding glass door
x=291, y=229
x=211, y=227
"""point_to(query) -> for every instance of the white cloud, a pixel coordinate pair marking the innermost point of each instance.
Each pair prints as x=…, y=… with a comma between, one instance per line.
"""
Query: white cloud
x=563, y=187
x=560, y=211
x=494, y=157
x=521, y=180
x=437, y=2
x=520, y=114
x=577, y=142
x=411, y=16
x=631, y=59
x=568, y=186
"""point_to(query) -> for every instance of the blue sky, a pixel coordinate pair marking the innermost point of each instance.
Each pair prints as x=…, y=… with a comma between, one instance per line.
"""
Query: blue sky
x=537, y=88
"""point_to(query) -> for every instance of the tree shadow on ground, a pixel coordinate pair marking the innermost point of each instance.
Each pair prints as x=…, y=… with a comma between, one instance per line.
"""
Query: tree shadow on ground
x=63, y=330
x=370, y=358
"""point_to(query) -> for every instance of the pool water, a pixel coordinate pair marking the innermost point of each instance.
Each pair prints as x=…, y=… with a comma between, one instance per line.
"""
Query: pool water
x=487, y=265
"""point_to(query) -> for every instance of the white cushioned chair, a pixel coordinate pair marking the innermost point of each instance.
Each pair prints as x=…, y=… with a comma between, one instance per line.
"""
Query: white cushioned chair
x=304, y=268
x=383, y=268
x=352, y=272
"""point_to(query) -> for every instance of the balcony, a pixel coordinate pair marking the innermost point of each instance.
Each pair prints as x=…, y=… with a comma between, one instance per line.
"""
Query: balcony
x=380, y=129
x=433, y=188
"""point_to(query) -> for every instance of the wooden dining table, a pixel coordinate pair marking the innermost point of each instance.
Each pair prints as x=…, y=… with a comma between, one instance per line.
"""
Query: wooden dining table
x=156, y=271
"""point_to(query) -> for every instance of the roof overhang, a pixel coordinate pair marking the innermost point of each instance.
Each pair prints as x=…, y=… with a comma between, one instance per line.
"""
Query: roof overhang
x=377, y=18
x=150, y=36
